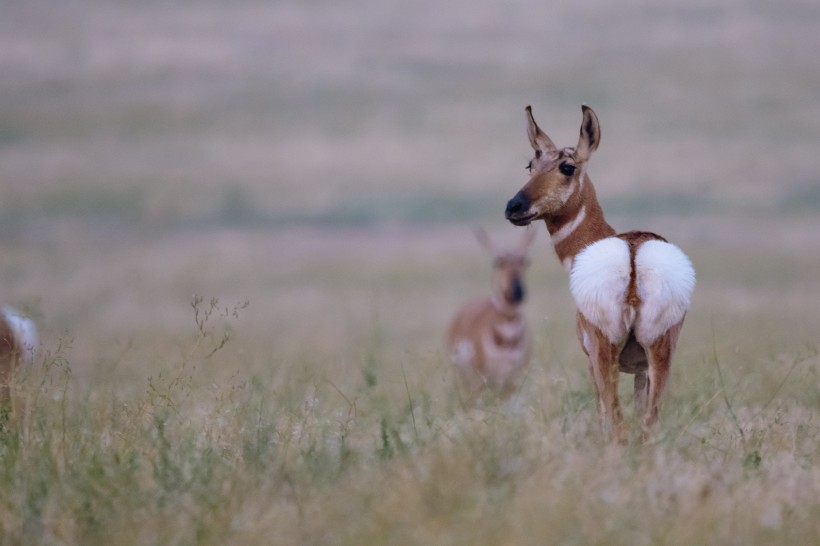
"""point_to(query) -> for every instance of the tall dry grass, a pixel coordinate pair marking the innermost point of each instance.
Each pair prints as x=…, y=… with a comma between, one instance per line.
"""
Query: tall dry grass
x=205, y=450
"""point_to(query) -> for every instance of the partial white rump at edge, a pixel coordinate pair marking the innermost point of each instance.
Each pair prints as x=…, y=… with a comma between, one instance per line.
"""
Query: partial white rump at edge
x=665, y=279
x=598, y=282
x=24, y=332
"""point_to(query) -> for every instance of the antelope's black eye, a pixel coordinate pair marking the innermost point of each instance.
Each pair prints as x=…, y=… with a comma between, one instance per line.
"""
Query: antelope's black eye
x=566, y=169
x=529, y=166
x=537, y=154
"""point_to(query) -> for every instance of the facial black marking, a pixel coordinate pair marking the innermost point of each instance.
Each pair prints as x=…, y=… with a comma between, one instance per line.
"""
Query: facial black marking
x=518, y=291
x=529, y=166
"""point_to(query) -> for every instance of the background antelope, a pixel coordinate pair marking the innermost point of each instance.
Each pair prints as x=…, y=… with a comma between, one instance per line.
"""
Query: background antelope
x=632, y=289
x=488, y=338
x=18, y=339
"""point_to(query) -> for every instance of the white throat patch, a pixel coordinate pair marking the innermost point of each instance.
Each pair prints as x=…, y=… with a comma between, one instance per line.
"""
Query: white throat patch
x=567, y=229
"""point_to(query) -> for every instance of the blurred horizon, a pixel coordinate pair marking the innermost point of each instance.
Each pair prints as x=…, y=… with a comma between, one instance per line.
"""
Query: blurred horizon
x=322, y=113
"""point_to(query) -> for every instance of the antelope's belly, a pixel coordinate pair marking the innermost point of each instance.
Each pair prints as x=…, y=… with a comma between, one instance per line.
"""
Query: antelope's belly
x=503, y=363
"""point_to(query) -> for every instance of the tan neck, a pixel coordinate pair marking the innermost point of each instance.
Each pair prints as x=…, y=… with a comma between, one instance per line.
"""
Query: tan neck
x=580, y=223
x=505, y=309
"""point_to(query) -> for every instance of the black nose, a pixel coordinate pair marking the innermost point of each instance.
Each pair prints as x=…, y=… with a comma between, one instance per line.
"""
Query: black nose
x=518, y=292
x=517, y=205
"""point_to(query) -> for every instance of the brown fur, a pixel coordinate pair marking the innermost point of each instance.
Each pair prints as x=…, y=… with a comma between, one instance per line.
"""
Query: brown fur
x=592, y=229
x=488, y=339
x=635, y=239
x=545, y=197
x=482, y=318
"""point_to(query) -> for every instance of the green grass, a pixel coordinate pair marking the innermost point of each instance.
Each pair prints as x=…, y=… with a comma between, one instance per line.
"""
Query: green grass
x=300, y=454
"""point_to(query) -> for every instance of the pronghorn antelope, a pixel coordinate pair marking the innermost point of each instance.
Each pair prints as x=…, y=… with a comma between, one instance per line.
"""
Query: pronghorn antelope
x=631, y=289
x=18, y=339
x=488, y=338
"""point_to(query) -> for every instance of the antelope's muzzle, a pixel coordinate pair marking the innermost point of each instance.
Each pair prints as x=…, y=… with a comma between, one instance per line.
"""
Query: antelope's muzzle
x=518, y=209
x=517, y=291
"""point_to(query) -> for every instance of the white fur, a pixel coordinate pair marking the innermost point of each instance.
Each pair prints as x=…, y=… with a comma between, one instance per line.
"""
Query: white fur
x=510, y=330
x=463, y=353
x=598, y=282
x=665, y=279
x=569, y=227
x=568, y=191
x=581, y=176
x=587, y=343
x=24, y=332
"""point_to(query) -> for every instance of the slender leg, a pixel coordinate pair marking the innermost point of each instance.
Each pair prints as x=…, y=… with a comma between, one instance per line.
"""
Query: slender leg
x=659, y=354
x=607, y=364
x=584, y=339
x=641, y=392
x=604, y=368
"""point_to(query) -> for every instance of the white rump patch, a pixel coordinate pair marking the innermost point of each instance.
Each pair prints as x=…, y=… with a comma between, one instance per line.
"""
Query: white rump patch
x=665, y=279
x=598, y=282
x=24, y=332
x=463, y=353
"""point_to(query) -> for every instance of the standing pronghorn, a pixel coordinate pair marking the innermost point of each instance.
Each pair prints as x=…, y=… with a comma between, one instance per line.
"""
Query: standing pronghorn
x=18, y=339
x=488, y=338
x=632, y=290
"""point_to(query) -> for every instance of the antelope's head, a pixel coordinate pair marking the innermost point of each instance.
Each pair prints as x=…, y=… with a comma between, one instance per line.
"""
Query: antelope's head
x=509, y=267
x=555, y=175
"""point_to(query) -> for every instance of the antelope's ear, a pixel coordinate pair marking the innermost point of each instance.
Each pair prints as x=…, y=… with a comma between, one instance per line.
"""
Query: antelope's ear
x=590, y=135
x=538, y=140
x=484, y=240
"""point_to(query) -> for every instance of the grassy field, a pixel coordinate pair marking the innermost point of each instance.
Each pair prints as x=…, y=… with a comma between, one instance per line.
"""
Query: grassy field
x=243, y=227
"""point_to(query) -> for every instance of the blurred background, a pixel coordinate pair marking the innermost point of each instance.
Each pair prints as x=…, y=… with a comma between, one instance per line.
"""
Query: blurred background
x=326, y=162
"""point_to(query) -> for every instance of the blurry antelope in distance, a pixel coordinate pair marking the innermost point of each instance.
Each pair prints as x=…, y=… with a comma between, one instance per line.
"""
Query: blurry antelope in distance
x=488, y=339
x=632, y=290
x=18, y=340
